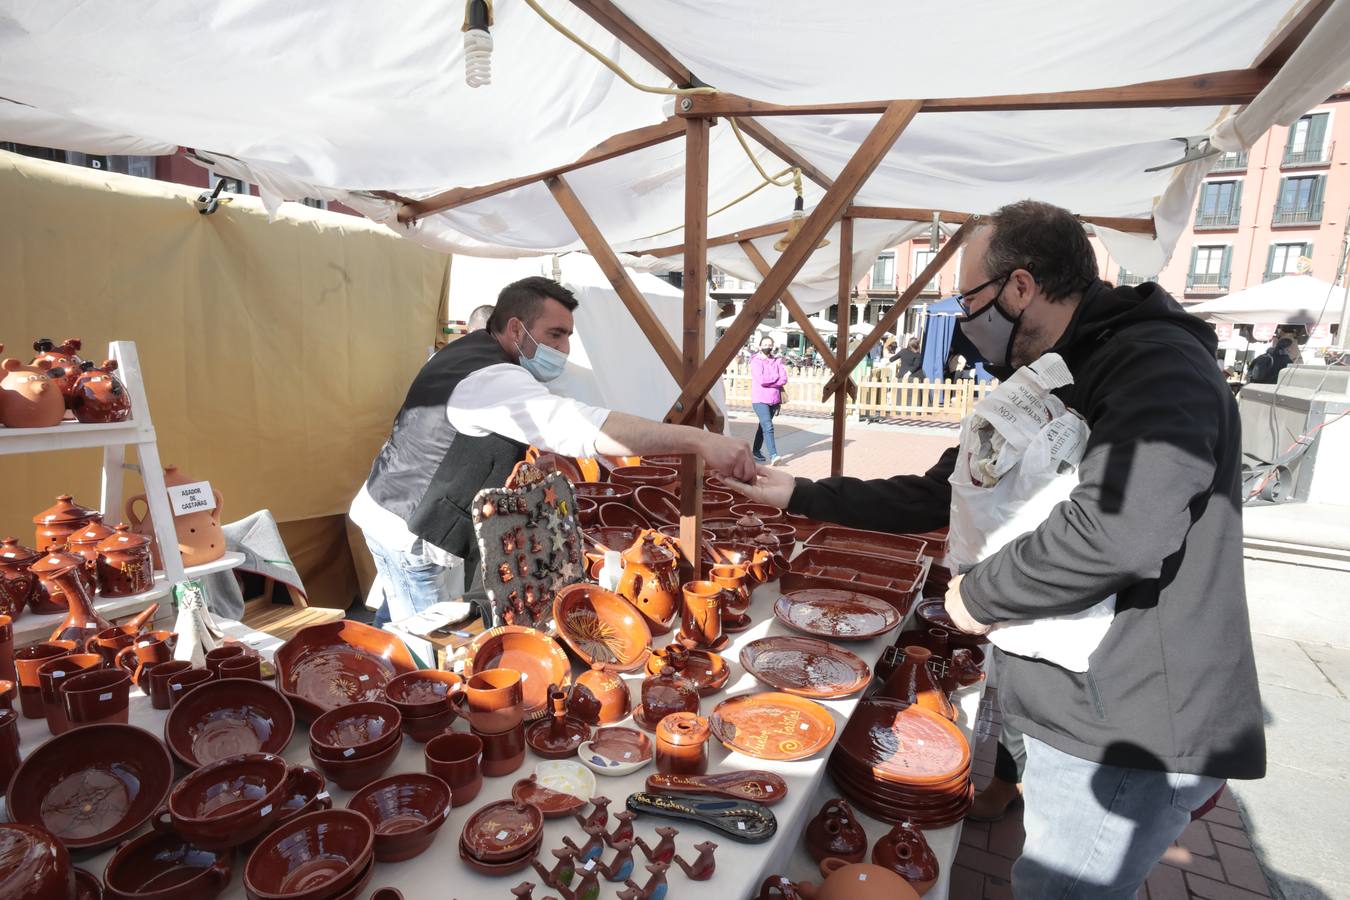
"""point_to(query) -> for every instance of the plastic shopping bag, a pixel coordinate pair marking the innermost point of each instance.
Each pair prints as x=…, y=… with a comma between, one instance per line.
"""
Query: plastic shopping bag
x=1018, y=458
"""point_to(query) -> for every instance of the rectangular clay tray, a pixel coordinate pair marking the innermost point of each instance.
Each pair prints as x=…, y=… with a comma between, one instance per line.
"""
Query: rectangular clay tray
x=836, y=537
x=897, y=574
x=796, y=581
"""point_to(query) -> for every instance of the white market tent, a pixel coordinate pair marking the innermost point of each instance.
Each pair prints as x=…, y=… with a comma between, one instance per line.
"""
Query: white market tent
x=1291, y=300
x=889, y=115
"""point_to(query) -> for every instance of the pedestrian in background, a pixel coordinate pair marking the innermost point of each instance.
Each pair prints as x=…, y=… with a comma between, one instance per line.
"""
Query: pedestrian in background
x=767, y=377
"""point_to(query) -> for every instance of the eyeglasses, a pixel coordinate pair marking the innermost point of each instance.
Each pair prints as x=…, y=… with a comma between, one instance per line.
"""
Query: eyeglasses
x=963, y=297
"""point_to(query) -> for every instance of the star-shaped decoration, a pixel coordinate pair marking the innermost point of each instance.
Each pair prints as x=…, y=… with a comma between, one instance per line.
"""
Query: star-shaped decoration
x=571, y=572
x=558, y=541
x=551, y=495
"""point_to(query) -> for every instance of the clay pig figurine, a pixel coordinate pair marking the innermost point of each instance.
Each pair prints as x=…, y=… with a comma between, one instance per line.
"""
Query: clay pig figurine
x=100, y=395
x=63, y=356
x=29, y=395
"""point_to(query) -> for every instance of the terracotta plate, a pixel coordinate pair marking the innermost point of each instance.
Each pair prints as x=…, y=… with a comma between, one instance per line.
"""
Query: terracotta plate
x=905, y=744
x=602, y=627
x=842, y=615
x=502, y=830
x=553, y=804
x=772, y=726
x=535, y=655
x=805, y=666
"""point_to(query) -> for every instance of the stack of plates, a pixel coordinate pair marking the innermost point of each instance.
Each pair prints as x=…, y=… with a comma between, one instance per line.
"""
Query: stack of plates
x=502, y=837
x=895, y=762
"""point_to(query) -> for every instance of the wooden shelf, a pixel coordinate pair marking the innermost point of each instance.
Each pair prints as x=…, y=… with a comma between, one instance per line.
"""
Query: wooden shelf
x=72, y=435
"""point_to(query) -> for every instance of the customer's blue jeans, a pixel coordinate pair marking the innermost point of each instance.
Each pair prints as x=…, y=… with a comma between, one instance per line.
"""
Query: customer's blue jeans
x=764, y=433
x=1096, y=831
x=413, y=577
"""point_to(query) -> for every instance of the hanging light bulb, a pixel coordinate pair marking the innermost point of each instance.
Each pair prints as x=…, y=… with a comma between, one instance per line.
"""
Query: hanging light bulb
x=477, y=43
x=798, y=217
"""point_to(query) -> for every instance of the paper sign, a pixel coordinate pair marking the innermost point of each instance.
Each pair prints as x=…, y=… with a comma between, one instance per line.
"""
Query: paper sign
x=191, y=498
x=1223, y=330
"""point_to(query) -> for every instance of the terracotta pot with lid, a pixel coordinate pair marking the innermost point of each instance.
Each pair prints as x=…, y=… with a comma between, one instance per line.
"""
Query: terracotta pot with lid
x=200, y=538
x=124, y=563
x=682, y=744
x=651, y=580
x=99, y=395
x=17, y=582
x=64, y=356
x=58, y=522
x=29, y=397
x=84, y=544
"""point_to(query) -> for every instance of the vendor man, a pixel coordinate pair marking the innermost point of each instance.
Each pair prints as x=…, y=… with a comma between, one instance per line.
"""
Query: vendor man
x=468, y=418
x=1119, y=756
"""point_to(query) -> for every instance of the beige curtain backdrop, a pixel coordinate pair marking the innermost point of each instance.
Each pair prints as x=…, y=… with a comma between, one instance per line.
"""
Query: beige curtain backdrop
x=275, y=353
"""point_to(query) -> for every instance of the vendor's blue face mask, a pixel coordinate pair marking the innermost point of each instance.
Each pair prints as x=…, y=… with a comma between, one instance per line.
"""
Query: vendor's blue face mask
x=547, y=362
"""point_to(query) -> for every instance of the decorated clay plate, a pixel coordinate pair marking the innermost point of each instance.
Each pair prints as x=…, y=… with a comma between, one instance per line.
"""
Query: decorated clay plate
x=602, y=627
x=535, y=655
x=502, y=830
x=558, y=793
x=326, y=666
x=706, y=669
x=772, y=726
x=841, y=615
x=904, y=744
x=805, y=666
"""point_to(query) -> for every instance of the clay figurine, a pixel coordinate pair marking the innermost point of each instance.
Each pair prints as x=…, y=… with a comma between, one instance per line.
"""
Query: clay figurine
x=664, y=851
x=524, y=891
x=562, y=869
x=588, y=883
x=655, y=888
x=624, y=830
x=905, y=852
x=599, y=816
x=29, y=397
x=620, y=868
x=99, y=396
x=835, y=831
x=703, y=866
x=593, y=847
x=63, y=356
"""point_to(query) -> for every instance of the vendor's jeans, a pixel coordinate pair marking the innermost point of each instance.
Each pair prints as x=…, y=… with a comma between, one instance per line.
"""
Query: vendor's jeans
x=1096, y=831
x=415, y=579
x=764, y=433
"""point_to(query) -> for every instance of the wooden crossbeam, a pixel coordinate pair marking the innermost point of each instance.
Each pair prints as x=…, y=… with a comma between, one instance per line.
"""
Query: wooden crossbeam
x=695, y=326
x=813, y=337
x=625, y=142
x=1234, y=86
x=828, y=211
x=617, y=23
x=844, y=317
x=604, y=256
x=781, y=150
x=735, y=237
x=1280, y=47
x=902, y=303
x=914, y=214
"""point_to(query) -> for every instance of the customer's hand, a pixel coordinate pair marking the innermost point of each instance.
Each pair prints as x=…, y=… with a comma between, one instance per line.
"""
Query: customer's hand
x=955, y=605
x=728, y=455
x=773, y=487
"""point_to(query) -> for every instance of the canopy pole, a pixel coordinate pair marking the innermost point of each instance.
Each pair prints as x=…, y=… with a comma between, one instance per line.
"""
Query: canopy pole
x=845, y=313
x=695, y=324
x=828, y=211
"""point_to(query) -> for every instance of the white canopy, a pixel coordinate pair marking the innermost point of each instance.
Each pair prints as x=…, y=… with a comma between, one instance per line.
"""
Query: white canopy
x=1291, y=300
x=348, y=97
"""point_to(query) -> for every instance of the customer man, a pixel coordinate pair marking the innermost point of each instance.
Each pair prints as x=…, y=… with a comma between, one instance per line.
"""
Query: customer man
x=1266, y=368
x=478, y=319
x=468, y=418
x=768, y=375
x=1119, y=756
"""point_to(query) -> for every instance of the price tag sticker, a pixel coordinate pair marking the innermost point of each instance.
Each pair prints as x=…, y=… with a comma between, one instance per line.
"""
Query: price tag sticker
x=104, y=698
x=768, y=789
x=186, y=499
x=740, y=825
x=262, y=813
x=503, y=835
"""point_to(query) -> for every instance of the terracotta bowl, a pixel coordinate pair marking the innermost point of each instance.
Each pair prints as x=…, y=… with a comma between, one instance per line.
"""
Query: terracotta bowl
x=160, y=865
x=93, y=785
x=226, y=718
x=602, y=627
x=604, y=492
x=321, y=666
x=762, y=511
x=34, y=865
x=637, y=476
x=670, y=461
x=587, y=512
x=619, y=539
x=535, y=655
x=786, y=534
x=617, y=515
x=356, y=731
x=423, y=728
x=421, y=693
x=659, y=505
x=673, y=532
x=87, y=885
x=723, y=529
x=352, y=774
x=311, y=857
x=717, y=504
x=406, y=811
x=231, y=802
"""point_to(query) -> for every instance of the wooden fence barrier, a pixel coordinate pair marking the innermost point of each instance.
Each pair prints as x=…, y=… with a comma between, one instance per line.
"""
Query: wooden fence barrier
x=881, y=394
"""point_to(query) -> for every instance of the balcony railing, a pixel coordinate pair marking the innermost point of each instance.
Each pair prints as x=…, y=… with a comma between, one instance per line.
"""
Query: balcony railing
x=1232, y=161
x=1271, y=276
x=1309, y=156
x=1129, y=279
x=1225, y=219
x=1208, y=282
x=1297, y=215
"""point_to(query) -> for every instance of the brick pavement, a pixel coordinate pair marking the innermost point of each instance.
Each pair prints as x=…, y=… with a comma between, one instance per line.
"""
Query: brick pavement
x=1212, y=860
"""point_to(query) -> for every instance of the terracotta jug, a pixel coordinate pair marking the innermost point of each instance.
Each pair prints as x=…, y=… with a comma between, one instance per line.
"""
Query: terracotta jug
x=651, y=580
x=682, y=744
x=61, y=573
x=701, y=615
x=665, y=693
x=58, y=522
x=124, y=565
x=63, y=356
x=17, y=582
x=735, y=580
x=912, y=682
x=99, y=395
x=835, y=831
x=905, y=851
x=200, y=539
x=29, y=395
x=599, y=697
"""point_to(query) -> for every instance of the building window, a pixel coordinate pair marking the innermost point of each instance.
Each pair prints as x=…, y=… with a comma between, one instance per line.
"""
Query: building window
x=883, y=273
x=921, y=260
x=1232, y=161
x=1300, y=200
x=1282, y=259
x=1307, y=141
x=1129, y=279
x=232, y=185
x=140, y=166
x=314, y=202
x=1209, y=269
x=1220, y=204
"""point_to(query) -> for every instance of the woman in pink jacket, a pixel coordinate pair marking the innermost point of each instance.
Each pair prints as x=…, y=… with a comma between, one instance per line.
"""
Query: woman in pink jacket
x=767, y=377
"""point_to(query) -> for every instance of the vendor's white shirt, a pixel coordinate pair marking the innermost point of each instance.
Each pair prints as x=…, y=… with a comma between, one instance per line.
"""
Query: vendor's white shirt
x=498, y=399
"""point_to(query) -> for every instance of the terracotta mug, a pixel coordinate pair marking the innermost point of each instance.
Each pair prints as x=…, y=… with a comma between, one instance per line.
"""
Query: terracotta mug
x=732, y=578
x=27, y=661
x=149, y=650
x=701, y=614
x=503, y=752
x=456, y=759
x=243, y=665
x=52, y=675
x=9, y=689
x=492, y=700
x=217, y=656
x=9, y=747
x=7, y=648
x=97, y=696
x=181, y=683
x=111, y=641
x=159, y=681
